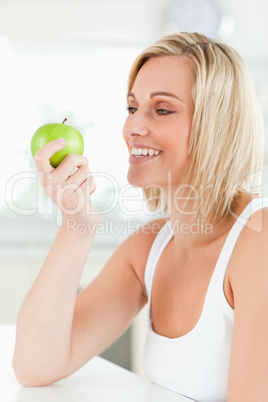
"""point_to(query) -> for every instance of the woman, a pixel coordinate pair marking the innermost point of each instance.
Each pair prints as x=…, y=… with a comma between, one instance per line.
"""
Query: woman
x=195, y=141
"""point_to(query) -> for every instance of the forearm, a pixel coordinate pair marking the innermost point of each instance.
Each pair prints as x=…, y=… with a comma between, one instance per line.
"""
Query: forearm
x=45, y=320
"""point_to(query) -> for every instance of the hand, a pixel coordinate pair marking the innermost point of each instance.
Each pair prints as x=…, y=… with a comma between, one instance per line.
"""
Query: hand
x=69, y=185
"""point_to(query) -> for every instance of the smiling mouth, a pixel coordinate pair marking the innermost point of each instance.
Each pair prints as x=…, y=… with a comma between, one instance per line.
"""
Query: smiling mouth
x=142, y=155
x=143, y=152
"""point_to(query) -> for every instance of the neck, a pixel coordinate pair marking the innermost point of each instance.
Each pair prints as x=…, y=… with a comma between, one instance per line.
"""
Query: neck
x=191, y=231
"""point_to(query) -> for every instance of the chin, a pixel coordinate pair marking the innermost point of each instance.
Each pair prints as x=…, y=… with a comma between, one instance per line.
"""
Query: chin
x=141, y=181
x=134, y=181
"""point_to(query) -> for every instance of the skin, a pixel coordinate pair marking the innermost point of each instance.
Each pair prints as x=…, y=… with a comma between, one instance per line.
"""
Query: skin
x=45, y=335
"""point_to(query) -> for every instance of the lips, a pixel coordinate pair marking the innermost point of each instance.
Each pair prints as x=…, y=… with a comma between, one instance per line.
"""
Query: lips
x=135, y=160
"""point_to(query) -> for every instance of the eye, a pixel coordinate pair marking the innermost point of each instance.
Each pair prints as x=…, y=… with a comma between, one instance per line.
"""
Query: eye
x=163, y=112
x=131, y=109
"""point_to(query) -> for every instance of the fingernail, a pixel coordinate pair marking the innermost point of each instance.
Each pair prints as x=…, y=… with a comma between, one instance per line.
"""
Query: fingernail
x=61, y=141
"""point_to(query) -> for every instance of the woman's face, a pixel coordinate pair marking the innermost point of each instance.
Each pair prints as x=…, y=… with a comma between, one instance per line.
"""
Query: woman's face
x=158, y=126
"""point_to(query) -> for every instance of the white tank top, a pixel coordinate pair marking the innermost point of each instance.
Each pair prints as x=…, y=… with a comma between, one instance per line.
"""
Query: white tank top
x=196, y=364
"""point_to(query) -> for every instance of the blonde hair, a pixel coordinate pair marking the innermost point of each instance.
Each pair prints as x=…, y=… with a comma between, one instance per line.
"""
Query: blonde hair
x=226, y=140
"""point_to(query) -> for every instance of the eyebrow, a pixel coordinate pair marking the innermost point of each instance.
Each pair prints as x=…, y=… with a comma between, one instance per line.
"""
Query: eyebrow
x=153, y=94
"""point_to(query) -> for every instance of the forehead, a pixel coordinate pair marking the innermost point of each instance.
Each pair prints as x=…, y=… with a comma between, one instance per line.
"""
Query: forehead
x=166, y=73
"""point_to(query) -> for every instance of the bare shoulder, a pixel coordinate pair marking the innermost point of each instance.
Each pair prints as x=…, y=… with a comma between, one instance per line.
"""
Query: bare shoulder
x=255, y=232
x=257, y=224
x=138, y=245
x=248, y=368
x=251, y=252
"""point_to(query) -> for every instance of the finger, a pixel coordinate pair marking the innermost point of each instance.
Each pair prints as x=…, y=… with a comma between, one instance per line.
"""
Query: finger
x=88, y=186
x=79, y=176
x=42, y=157
x=67, y=166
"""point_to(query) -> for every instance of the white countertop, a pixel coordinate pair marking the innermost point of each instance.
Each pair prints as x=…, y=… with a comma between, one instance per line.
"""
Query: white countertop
x=97, y=381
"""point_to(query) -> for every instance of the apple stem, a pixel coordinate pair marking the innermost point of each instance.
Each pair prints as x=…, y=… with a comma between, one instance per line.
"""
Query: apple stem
x=64, y=121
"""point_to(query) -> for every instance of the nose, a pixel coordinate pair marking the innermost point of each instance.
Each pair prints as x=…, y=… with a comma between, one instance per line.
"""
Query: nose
x=136, y=125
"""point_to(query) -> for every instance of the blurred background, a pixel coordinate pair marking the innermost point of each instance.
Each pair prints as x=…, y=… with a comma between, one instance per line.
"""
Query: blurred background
x=71, y=59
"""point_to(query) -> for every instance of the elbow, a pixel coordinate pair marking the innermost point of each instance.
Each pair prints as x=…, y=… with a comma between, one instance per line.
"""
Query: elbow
x=28, y=380
x=29, y=377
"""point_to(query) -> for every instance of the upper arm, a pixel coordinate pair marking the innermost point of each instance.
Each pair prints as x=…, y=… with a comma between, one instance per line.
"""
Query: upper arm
x=248, y=370
x=107, y=306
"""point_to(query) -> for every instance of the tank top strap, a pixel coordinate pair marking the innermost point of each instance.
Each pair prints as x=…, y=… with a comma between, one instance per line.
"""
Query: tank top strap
x=232, y=238
x=161, y=240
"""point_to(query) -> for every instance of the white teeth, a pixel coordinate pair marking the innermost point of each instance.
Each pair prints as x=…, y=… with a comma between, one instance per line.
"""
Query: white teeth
x=144, y=152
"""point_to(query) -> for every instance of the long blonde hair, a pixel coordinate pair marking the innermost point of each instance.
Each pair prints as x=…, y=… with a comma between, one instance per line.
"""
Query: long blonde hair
x=226, y=140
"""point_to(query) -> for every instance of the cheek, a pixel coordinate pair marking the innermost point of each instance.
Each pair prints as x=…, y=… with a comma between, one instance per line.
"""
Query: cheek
x=177, y=151
x=177, y=138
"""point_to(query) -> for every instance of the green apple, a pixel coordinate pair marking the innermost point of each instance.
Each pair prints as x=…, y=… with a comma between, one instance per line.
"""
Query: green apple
x=52, y=131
